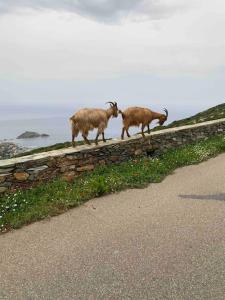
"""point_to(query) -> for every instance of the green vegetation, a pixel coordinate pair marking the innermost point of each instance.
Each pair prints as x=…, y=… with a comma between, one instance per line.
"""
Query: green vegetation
x=47, y=148
x=213, y=113
x=57, y=196
x=50, y=148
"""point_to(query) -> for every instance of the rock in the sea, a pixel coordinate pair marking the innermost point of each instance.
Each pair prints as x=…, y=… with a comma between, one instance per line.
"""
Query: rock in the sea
x=44, y=135
x=31, y=134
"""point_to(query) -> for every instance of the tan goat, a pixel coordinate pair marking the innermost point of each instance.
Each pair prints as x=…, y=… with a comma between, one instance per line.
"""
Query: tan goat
x=136, y=116
x=89, y=118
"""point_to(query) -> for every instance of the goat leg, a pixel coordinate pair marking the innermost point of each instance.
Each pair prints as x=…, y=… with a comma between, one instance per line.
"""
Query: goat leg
x=122, y=135
x=86, y=140
x=96, y=139
x=148, y=129
x=74, y=134
x=127, y=133
x=142, y=130
x=73, y=142
x=103, y=137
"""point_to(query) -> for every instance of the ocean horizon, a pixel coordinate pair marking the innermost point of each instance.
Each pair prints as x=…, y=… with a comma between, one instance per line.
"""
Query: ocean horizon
x=58, y=129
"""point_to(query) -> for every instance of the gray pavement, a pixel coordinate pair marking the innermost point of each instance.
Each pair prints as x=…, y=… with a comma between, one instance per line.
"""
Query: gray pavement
x=166, y=241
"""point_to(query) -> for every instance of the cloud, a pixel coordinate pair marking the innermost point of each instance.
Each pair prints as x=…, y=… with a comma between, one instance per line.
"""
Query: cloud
x=63, y=46
x=102, y=10
x=52, y=54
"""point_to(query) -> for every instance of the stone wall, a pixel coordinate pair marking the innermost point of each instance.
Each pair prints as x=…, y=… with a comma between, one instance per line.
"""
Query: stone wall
x=29, y=170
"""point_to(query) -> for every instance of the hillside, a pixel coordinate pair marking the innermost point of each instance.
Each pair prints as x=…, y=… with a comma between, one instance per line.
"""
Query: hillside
x=213, y=113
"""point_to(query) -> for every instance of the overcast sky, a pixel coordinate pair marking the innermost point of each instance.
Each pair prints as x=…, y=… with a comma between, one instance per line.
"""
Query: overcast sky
x=59, y=55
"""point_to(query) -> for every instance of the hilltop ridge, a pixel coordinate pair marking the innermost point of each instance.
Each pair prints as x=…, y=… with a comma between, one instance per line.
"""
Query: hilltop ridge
x=213, y=113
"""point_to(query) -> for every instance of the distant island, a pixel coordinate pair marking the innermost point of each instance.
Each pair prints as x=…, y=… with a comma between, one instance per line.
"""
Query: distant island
x=31, y=134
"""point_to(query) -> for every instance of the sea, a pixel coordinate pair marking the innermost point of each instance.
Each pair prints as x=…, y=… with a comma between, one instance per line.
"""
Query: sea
x=58, y=129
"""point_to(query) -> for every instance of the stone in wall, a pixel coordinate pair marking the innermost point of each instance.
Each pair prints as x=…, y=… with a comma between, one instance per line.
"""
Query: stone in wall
x=5, y=170
x=86, y=168
x=3, y=189
x=3, y=177
x=138, y=152
x=21, y=176
x=69, y=176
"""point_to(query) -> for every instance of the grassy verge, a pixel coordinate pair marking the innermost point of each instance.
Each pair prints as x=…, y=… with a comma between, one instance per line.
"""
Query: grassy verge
x=55, y=197
x=213, y=113
x=48, y=148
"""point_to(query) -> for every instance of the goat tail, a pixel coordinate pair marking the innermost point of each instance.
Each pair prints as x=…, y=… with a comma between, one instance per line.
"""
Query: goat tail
x=72, y=122
x=71, y=119
x=122, y=114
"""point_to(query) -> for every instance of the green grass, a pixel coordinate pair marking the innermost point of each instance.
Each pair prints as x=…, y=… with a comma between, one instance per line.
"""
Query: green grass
x=57, y=196
x=52, y=147
x=48, y=148
x=213, y=113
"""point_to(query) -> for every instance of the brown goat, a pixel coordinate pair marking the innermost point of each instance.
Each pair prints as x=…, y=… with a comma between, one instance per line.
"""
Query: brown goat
x=87, y=119
x=136, y=116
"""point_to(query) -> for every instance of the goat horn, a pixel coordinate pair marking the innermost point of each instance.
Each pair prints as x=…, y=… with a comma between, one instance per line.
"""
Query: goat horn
x=166, y=111
x=115, y=103
x=111, y=103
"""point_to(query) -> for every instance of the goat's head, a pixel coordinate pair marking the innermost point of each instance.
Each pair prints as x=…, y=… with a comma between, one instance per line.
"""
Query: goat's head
x=163, y=117
x=114, y=108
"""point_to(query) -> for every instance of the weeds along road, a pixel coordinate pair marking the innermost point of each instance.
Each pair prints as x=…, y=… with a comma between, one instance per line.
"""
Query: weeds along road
x=163, y=242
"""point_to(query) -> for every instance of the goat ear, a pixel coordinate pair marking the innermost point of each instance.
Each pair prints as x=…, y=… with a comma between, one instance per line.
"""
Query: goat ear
x=115, y=103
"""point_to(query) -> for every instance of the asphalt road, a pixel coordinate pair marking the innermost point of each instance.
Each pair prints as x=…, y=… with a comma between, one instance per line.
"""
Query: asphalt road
x=163, y=242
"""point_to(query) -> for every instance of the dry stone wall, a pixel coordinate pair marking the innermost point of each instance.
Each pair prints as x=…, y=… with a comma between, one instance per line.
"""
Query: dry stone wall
x=24, y=172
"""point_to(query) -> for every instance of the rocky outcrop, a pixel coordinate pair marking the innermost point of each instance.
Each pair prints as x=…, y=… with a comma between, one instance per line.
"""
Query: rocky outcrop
x=8, y=150
x=24, y=172
x=31, y=134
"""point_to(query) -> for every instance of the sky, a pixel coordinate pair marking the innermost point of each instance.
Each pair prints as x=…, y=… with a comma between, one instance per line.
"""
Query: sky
x=60, y=55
